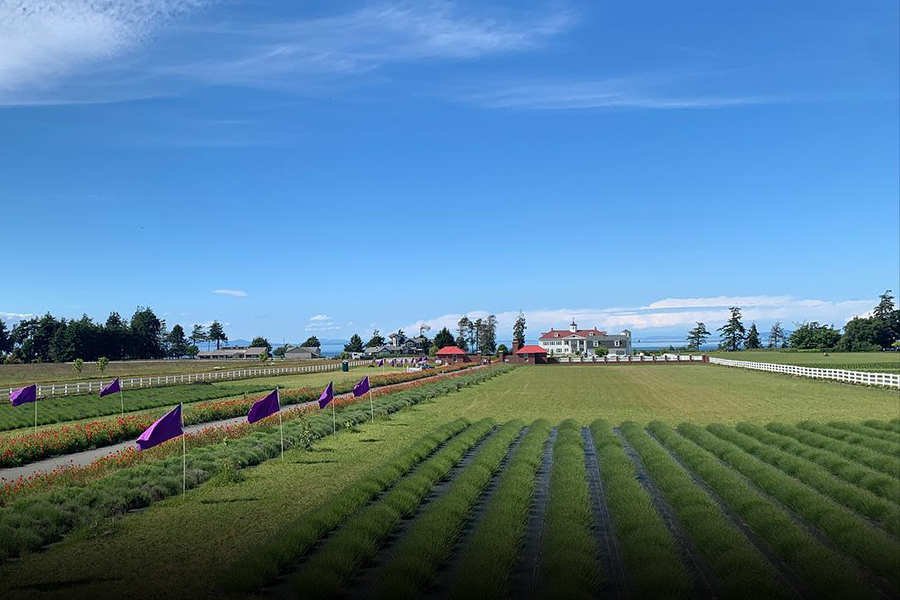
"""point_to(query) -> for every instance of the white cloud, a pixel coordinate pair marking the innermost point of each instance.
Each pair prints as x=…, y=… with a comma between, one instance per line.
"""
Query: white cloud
x=320, y=318
x=11, y=316
x=233, y=293
x=668, y=314
x=662, y=91
x=362, y=41
x=43, y=42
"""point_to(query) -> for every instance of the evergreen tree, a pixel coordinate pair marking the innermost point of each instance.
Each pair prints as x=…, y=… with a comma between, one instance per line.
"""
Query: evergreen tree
x=732, y=332
x=464, y=332
x=146, y=334
x=752, y=341
x=519, y=330
x=444, y=338
x=6, y=343
x=198, y=334
x=776, y=335
x=462, y=344
x=885, y=308
x=697, y=336
x=355, y=345
x=176, y=342
x=217, y=334
x=312, y=342
x=376, y=340
x=261, y=342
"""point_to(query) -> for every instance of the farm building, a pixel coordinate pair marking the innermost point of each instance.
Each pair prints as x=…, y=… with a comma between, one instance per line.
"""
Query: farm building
x=232, y=354
x=533, y=355
x=453, y=354
x=302, y=353
x=585, y=342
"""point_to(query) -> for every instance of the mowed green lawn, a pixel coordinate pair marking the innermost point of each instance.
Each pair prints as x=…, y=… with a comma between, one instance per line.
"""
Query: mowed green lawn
x=183, y=549
x=885, y=362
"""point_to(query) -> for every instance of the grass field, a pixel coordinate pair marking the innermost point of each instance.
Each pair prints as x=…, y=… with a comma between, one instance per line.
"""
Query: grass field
x=26, y=374
x=772, y=504
x=883, y=362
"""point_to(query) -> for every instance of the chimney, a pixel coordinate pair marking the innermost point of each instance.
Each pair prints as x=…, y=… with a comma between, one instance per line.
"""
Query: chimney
x=516, y=346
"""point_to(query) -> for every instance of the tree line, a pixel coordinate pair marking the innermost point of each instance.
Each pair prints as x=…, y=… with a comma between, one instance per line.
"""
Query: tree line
x=144, y=336
x=861, y=334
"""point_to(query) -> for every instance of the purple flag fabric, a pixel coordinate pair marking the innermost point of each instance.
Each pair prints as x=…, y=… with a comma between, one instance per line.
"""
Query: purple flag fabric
x=112, y=388
x=381, y=363
x=361, y=388
x=264, y=408
x=166, y=427
x=23, y=395
x=327, y=395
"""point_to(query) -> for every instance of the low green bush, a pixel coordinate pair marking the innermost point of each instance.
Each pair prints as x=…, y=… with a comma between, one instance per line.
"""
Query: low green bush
x=357, y=542
x=824, y=571
x=429, y=540
x=865, y=456
x=852, y=534
x=490, y=560
x=652, y=562
x=568, y=566
x=852, y=437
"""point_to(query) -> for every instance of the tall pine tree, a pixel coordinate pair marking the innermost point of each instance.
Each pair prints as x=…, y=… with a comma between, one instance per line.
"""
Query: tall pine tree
x=752, y=341
x=731, y=334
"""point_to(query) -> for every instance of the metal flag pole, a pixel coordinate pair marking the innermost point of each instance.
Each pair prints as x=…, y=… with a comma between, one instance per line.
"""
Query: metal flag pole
x=280, y=424
x=121, y=398
x=183, y=457
x=35, y=409
x=372, y=405
x=333, y=418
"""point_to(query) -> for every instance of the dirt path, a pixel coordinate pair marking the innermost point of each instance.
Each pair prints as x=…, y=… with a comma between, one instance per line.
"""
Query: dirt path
x=614, y=580
x=443, y=584
x=365, y=583
x=706, y=584
x=788, y=575
x=525, y=576
x=86, y=457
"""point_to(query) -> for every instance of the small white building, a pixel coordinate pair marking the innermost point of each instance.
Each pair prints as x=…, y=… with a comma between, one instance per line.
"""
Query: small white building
x=584, y=342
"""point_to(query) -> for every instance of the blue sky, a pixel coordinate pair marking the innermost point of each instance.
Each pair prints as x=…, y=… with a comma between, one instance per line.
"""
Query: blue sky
x=312, y=167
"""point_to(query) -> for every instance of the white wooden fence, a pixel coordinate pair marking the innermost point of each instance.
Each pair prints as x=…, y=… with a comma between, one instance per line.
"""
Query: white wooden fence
x=49, y=390
x=614, y=358
x=881, y=379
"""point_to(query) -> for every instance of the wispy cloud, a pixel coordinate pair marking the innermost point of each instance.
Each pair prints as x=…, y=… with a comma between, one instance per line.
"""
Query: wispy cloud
x=322, y=323
x=11, y=316
x=363, y=41
x=669, y=314
x=650, y=91
x=320, y=318
x=45, y=42
x=233, y=293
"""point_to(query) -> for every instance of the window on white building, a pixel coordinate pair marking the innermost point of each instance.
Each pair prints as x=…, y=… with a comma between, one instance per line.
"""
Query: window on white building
x=618, y=343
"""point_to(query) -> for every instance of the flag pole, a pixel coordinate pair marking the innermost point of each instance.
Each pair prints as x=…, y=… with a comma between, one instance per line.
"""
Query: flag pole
x=122, y=399
x=333, y=419
x=372, y=406
x=280, y=423
x=183, y=457
x=35, y=410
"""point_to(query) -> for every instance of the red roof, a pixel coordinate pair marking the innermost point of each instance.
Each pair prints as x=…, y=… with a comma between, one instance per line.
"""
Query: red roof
x=450, y=350
x=532, y=349
x=563, y=333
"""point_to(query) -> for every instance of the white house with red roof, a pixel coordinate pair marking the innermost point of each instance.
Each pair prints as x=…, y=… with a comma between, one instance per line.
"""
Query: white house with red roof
x=584, y=342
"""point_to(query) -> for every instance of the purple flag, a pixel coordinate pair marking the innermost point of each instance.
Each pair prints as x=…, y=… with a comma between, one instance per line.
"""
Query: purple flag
x=381, y=363
x=112, y=388
x=166, y=427
x=327, y=395
x=23, y=395
x=263, y=408
x=393, y=362
x=361, y=388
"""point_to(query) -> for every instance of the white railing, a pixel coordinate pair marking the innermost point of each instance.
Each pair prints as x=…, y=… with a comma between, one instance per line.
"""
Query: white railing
x=880, y=379
x=49, y=390
x=614, y=358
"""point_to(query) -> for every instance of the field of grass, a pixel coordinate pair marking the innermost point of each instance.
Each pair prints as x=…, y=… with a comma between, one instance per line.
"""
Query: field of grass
x=26, y=374
x=883, y=362
x=723, y=504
